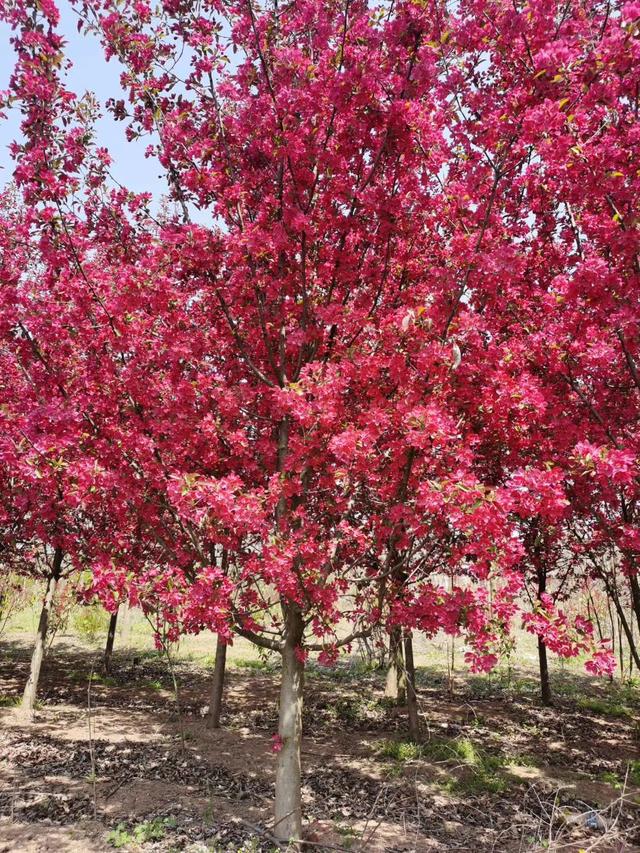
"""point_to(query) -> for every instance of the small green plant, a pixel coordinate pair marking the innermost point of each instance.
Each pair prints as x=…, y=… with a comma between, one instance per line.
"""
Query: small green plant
x=153, y=684
x=120, y=836
x=107, y=680
x=480, y=769
x=9, y=701
x=610, y=778
x=149, y=830
x=522, y=759
x=476, y=783
x=400, y=750
x=465, y=749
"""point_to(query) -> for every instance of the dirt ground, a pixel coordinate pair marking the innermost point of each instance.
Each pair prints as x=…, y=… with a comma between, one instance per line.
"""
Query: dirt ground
x=109, y=762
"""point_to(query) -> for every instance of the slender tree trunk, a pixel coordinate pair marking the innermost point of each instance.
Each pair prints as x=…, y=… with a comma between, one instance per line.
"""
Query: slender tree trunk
x=634, y=585
x=111, y=635
x=615, y=642
x=545, y=684
x=217, y=686
x=288, y=805
x=395, y=687
x=412, y=701
x=31, y=687
x=620, y=649
x=626, y=626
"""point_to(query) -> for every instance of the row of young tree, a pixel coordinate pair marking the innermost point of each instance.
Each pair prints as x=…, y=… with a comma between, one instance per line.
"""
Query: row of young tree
x=383, y=328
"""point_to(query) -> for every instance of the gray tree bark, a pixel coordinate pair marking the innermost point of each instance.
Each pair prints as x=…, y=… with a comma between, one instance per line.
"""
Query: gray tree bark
x=217, y=686
x=31, y=687
x=412, y=699
x=288, y=805
x=395, y=687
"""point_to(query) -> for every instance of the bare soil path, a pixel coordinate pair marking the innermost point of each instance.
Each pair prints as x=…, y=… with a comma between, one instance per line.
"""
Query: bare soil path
x=495, y=771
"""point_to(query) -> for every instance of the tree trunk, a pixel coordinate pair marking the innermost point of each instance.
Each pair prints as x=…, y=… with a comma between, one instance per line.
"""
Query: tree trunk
x=545, y=684
x=395, y=687
x=31, y=687
x=217, y=686
x=634, y=584
x=412, y=701
x=288, y=805
x=626, y=626
x=111, y=635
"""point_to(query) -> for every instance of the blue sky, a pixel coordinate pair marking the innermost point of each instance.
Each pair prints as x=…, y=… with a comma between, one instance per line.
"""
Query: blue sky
x=90, y=72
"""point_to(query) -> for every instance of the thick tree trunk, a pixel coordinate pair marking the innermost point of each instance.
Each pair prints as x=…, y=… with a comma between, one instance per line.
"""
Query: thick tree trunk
x=111, y=635
x=288, y=805
x=545, y=684
x=31, y=687
x=395, y=687
x=217, y=686
x=412, y=700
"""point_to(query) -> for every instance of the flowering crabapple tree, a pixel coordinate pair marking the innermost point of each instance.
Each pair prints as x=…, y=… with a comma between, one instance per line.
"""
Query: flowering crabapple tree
x=340, y=352
x=38, y=513
x=567, y=340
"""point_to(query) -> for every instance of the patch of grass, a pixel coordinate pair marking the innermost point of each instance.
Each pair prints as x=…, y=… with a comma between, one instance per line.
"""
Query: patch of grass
x=475, y=783
x=149, y=830
x=465, y=749
x=616, y=780
x=120, y=836
x=610, y=778
x=605, y=707
x=153, y=684
x=9, y=701
x=522, y=759
x=485, y=687
x=480, y=770
x=107, y=680
x=461, y=749
x=400, y=750
x=525, y=686
x=352, y=710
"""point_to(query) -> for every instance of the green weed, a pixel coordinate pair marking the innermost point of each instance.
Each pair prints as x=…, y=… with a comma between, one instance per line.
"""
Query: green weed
x=149, y=830
x=401, y=750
